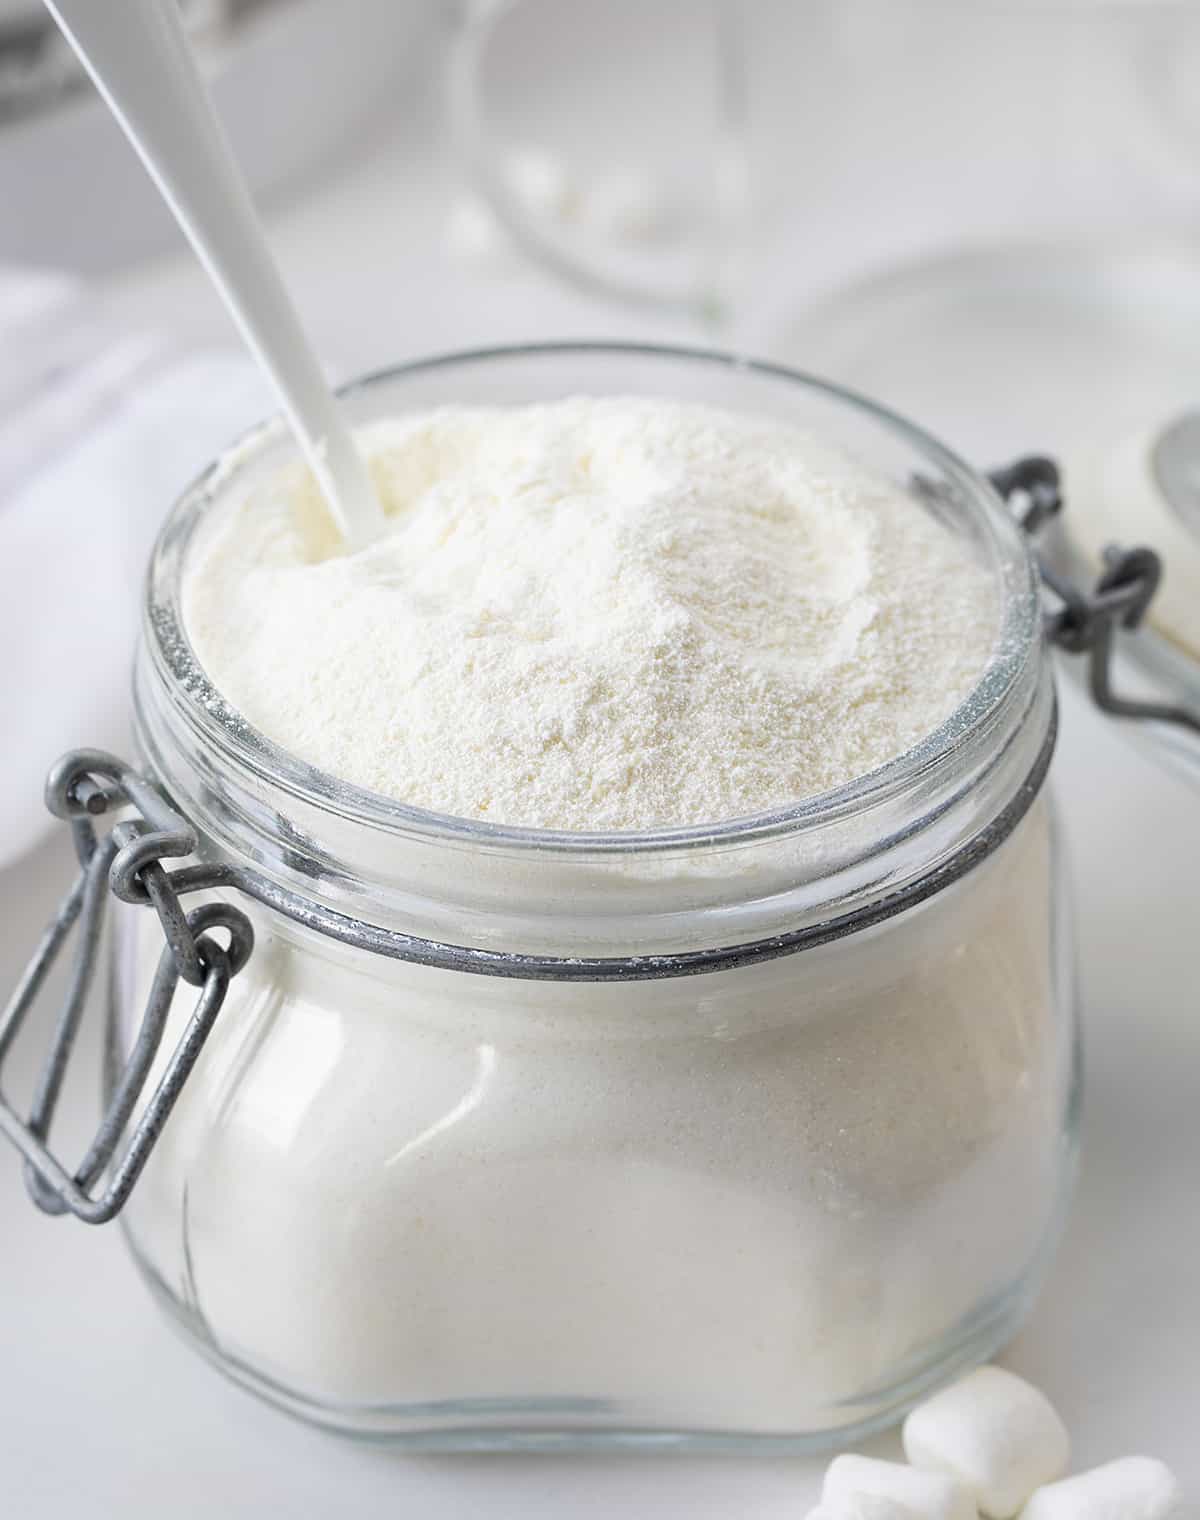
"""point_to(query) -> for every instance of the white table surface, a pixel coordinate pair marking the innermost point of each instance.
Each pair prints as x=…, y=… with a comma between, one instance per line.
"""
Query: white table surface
x=103, y=1411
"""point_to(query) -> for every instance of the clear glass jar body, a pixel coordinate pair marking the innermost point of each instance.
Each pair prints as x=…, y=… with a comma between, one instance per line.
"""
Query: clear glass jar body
x=765, y=1204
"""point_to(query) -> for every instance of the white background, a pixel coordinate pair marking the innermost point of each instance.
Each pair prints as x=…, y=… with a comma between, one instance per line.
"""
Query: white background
x=103, y=1412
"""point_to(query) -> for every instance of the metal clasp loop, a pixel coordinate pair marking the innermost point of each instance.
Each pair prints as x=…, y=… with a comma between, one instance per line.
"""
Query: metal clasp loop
x=127, y=862
x=1086, y=622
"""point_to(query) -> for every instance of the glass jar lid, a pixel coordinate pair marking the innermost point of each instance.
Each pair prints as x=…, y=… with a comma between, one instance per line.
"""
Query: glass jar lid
x=1144, y=489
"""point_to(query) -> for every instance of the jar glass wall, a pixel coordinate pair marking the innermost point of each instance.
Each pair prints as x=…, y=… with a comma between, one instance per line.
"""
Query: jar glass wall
x=768, y=1203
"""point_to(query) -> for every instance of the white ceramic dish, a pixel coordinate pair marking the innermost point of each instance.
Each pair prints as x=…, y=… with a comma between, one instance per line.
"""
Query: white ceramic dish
x=292, y=86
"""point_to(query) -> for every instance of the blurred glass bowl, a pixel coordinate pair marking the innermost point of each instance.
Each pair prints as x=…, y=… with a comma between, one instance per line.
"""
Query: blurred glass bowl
x=292, y=80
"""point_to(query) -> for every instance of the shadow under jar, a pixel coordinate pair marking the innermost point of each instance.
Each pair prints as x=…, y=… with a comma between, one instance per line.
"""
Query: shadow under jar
x=739, y=1135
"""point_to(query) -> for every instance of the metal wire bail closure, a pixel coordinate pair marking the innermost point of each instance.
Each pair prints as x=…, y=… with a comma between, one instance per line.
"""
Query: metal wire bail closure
x=1087, y=623
x=128, y=861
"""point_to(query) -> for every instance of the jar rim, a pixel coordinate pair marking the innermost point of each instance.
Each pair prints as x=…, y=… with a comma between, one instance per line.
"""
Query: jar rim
x=219, y=724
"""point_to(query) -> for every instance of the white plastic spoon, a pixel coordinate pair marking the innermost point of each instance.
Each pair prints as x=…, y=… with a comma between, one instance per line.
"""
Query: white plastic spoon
x=138, y=55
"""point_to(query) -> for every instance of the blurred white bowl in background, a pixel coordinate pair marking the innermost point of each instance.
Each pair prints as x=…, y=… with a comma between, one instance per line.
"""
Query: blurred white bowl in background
x=292, y=84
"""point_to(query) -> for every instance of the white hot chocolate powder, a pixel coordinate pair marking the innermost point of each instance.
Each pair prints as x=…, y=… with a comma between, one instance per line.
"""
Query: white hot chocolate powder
x=735, y=1201
x=596, y=614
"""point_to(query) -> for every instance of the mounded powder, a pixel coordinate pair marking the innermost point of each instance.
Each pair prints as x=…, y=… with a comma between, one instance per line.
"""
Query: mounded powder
x=595, y=614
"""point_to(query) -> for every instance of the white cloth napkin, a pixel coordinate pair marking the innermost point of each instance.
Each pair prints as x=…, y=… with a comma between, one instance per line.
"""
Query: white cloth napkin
x=97, y=439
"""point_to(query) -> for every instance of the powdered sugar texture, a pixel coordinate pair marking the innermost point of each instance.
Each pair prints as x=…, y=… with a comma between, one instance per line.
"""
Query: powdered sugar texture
x=609, y=614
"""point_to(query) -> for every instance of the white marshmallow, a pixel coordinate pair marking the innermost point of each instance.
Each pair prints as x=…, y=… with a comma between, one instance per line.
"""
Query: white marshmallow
x=995, y=1433
x=627, y=206
x=855, y=1486
x=542, y=183
x=474, y=235
x=1132, y=1488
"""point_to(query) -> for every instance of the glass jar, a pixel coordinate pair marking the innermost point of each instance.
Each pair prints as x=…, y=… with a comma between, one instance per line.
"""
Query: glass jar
x=742, y=1135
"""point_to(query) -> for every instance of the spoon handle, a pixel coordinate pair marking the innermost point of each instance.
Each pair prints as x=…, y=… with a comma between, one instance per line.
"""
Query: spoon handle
x=139, y=57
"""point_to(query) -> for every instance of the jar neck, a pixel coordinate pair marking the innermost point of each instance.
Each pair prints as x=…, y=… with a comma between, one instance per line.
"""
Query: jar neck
x=456, y=884
x=494, y=887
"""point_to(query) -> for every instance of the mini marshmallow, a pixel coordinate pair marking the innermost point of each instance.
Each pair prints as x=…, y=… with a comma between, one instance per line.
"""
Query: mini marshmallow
x=995, y=1433
x=856, y=1486
x=473, y=234
x=542, y=183
x=1132, y=1488
x=626, y=206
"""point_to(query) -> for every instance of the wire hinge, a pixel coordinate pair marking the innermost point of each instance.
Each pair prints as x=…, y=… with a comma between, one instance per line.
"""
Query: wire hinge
x=1086, y=622
x=128, y=863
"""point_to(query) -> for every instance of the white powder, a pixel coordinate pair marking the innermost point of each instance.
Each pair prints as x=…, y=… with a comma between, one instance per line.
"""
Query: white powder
x=753, y=1201
x=595, y=614
x=742, y=1201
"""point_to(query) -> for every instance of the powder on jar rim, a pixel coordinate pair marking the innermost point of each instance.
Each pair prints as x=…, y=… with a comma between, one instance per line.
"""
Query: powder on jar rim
x=594, y=614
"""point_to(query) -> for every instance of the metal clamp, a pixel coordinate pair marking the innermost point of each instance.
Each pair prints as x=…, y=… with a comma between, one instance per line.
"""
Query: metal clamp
x=128, y=861
x=1087, y=622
